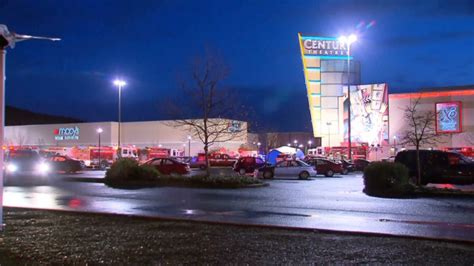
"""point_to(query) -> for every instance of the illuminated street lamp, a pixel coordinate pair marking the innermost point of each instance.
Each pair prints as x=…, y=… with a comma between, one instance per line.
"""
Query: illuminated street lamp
x=189, y=146
x=349, y=40
x=258, y=145
x=329, y=133
x=99, y=132
x=8, y=39
x=119, y=83
x=309, y=144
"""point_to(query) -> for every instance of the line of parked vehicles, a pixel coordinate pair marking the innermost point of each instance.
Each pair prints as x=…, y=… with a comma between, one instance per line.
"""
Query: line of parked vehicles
x=436, y=166
x=309, y=167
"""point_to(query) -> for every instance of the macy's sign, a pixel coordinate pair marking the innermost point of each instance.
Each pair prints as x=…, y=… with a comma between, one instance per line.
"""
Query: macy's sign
x=66, y=133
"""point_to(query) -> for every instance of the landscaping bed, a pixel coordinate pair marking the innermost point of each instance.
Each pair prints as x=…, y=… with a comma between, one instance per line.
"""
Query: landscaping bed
x=126, y=173
x=441, y=192
x=190, y=181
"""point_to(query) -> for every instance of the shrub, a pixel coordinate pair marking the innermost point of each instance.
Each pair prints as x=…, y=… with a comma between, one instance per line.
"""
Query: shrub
x=127, y=170
x=386, y=179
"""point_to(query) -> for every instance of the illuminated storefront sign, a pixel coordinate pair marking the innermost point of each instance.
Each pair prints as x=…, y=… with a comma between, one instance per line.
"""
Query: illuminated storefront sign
x=326, y=46
x=235, y=126
x=66, y=133
x=369, y=112
x=448, y=117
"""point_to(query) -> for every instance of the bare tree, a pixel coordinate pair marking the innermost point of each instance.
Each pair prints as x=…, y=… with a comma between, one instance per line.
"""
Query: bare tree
x=272, y=140
x=420, y=131
x=204, y=97
x=469, y=137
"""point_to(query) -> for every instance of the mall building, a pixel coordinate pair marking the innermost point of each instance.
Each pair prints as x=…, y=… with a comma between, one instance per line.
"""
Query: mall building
x=453, y=108
x=164, y=134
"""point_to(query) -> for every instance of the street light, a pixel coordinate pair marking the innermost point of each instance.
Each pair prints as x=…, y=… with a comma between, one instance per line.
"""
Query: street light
x=8, y=39
x=329, y=133
x=99, y=131
x=258, y=145
x=119, y=83
x=189, y=146
x=349, y=40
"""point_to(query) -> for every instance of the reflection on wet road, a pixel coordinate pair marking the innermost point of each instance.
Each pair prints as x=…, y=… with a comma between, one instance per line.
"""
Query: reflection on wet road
x=322, y=203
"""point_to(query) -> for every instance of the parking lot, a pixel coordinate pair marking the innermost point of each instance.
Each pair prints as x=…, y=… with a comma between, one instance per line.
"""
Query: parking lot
x=336, y=203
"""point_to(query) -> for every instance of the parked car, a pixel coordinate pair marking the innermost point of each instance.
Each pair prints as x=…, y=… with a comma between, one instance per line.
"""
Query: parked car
x=390, y=159
x=25, y=162
x=65, y=164
x=246, y=165
x=348, y=165
x=360, y=164
x=216, y=159
x=288, y=168
x=438, y=166
x=168, y=166
x=327, y=167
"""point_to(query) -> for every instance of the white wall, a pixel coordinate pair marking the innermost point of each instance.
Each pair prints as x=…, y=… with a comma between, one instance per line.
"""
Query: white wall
x=140, y=134
x=398, y=102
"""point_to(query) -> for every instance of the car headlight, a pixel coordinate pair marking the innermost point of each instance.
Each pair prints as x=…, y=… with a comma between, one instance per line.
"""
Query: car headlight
x=42, y=167
x=11, y=168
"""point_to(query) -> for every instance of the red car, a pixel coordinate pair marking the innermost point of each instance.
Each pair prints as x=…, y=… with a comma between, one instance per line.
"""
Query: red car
x=246, y=165
x=327, y=167
x=360, y=164
x=168, y=166
x=215, y=160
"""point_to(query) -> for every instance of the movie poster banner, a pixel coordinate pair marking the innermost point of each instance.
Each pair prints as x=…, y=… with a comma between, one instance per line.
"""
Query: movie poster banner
x=369, y=114
x=448, y=117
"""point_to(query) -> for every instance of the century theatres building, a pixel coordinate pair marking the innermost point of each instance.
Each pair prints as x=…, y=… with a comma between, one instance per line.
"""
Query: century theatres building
x=377, y=121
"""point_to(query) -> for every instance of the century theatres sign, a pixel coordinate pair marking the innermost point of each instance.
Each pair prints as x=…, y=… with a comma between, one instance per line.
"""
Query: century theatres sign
x=66, y=133
x=323, y=46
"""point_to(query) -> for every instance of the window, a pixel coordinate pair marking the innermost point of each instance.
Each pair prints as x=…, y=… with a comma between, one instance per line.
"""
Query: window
x=293, y=164
x=168, y=162
x=156, y=162
x=59, y=159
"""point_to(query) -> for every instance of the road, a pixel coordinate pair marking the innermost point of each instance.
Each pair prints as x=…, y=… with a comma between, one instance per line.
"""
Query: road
x=321, y=203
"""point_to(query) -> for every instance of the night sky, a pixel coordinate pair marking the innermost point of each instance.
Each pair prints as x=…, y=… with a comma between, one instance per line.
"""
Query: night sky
x=408, y=44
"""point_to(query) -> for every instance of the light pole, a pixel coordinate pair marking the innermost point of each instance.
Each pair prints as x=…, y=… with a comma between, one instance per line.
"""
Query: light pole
x=99, y=132
x=348, y=40
x=329, y=133
x=119, y=83
x=8, y=39
x=258, y=145
x=296, y=144
x=189, y=146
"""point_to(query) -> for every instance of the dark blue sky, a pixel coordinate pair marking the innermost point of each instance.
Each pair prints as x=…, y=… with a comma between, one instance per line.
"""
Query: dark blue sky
x=413, y=44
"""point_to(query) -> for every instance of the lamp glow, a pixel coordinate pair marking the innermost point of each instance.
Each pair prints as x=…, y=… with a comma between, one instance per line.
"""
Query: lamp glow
x=12, y=168
x=348, y=39
x=120, y=83
x=43, y=167
x=100, y=130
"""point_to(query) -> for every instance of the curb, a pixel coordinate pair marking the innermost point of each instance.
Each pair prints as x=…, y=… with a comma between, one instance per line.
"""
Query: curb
x=264, y=226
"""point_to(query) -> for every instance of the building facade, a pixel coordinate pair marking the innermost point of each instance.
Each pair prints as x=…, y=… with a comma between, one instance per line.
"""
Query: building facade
x=454, y=110
x=325, y=67
x=139, y=134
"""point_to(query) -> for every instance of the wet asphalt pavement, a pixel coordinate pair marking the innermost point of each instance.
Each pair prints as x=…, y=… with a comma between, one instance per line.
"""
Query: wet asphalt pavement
x=336, y=203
